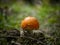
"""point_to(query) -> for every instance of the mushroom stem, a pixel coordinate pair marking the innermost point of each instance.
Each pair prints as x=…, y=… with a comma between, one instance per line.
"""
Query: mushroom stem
x=27, y=32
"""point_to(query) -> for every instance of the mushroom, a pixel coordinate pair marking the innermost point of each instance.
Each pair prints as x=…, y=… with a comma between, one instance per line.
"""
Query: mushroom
x=29, y=24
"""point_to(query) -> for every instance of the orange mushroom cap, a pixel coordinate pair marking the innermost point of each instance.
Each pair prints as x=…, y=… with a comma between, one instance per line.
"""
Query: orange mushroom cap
x=30, y=23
